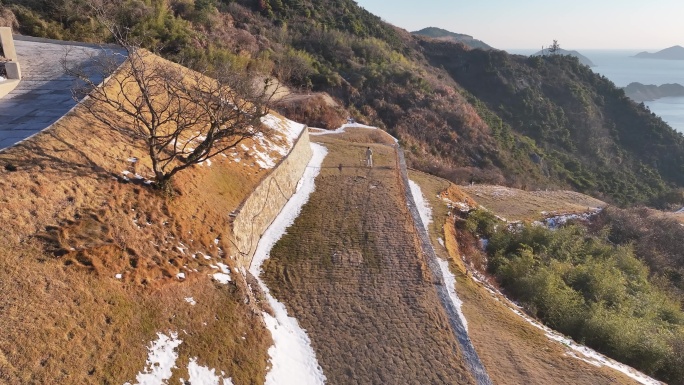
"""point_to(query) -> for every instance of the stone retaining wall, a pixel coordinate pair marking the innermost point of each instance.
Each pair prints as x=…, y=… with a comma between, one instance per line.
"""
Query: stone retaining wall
x=467, y=349
x=258, y=211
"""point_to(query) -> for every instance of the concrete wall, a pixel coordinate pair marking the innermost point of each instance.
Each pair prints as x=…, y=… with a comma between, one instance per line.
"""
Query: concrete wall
x=259, y=210
x=7, y=42
x=8, y=86
x=9, y=53
x=11, y=67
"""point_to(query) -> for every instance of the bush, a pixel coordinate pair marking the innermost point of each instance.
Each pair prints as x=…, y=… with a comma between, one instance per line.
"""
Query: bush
x=583, y=286
x=482, y=223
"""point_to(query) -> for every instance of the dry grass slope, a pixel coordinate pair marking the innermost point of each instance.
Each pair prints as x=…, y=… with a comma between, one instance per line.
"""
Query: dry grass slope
x=520, y=205
x=513, y=351
x=71, y=224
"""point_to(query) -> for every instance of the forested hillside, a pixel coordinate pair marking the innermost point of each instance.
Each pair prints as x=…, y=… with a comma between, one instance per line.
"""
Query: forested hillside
x=542, y=122
x=593, y=137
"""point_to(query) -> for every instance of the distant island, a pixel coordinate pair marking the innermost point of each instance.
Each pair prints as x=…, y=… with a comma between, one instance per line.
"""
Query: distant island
x=583, y=59
x=645, y=93
x=443, y=34
x=672, y=53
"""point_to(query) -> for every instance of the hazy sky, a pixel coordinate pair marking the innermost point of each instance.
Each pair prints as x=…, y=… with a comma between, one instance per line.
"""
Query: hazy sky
x=652, y=24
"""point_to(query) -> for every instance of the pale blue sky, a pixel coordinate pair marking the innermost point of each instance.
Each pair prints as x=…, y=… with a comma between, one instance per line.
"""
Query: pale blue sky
x=577, y=24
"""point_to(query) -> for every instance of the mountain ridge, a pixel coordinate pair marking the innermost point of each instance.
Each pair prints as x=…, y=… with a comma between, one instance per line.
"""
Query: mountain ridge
x=443, y=34
x=672, y=53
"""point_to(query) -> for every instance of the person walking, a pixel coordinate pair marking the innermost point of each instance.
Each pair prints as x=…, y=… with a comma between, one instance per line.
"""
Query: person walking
x=369, y=157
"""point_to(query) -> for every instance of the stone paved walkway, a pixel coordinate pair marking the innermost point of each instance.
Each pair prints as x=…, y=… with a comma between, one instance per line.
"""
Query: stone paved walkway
x=44, y=94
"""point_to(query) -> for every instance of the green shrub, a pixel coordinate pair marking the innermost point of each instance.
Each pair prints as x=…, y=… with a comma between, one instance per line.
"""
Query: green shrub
x=585, y=287
x=482, y=223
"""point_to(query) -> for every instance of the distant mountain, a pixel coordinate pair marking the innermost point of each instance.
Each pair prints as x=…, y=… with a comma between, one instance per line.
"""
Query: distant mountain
x=672, y=53
x=583, y=59
x=443, y=34
x=643, y=93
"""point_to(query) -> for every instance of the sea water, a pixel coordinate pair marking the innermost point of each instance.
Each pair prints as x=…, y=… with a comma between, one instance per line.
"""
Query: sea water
x=670, y=110
x=622, y=68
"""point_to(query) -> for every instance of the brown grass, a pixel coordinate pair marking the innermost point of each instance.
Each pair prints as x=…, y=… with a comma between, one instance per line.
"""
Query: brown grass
x=350, y=271
x=521, y=205
x=359, y=135
x=7, y=19
x=317, y=110
x=71, y=224
x=512, y=350
x=679, y=217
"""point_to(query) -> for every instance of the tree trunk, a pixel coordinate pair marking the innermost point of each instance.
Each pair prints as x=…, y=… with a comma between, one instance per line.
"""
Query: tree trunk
x=164, y=185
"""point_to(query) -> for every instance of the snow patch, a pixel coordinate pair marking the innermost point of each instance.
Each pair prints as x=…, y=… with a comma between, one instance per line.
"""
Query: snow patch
x=224, y=268
x=461, y=206
x=263, y=159
x=290, y=128
x=425, y=212
x=221, y=278
x=554, y=222
x=343, y=128
x=202, y=375
x=224, y=276
x=293, y=360
x=289, y=131
x=450, y=282
x=423, y=206
x=161, y=359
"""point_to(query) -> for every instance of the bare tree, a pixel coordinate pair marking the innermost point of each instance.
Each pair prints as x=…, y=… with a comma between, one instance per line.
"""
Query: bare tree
x=181, y=117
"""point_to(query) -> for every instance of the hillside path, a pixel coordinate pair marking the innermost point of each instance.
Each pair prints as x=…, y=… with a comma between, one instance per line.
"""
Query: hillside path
x=44, y=93
x=352, y=271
